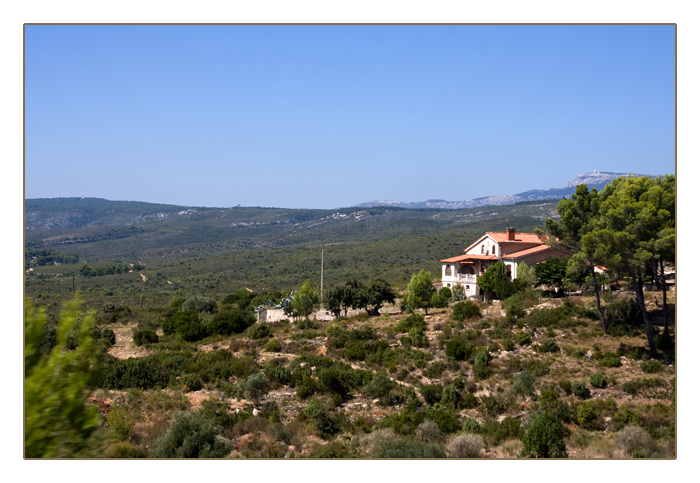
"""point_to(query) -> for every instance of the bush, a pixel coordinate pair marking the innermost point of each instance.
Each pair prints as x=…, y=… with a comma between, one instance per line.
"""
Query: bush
x=465, y=446
x=548, y=346
x=523, y=384
x=587, y=416
x=651, y=366
x=191, y=435
x=434, y=370
x=413, y=321
x=273, y=346
x=507, y=344
x=579, y=388
x=610, y=360
x=145, y=336
x=458, y=350
x=255, y=387
x=259, y=331
x=231, y=321
x=380, y=387
x=471, y=425
x=544, y=437
x=522, y=338
x=465, y=310
x=428, y=431
x=191, y=382
x=632, y=440
x=402, y=448
x=199, y=303
x=597, y=380
x=432, y=393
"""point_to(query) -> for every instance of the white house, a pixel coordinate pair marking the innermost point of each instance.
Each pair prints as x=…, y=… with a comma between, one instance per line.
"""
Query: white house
x=509, y=246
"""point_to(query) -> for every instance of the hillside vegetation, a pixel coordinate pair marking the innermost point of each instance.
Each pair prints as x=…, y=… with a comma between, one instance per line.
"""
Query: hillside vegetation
x=142, y=339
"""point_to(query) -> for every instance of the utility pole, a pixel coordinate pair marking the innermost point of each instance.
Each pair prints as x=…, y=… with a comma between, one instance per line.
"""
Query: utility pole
x=321, y=276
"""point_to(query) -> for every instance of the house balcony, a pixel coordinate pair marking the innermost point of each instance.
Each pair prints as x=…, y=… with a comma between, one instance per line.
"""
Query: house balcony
x=466, y=278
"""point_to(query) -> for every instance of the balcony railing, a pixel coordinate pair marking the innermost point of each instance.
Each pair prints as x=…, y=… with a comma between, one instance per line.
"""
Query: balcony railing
x=467, y=278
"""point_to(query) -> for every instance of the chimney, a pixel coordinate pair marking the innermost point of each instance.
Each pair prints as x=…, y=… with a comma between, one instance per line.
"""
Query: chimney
x=511, y=233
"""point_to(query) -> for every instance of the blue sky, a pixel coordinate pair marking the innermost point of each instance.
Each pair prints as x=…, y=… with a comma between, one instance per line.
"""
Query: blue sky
x=331, y=116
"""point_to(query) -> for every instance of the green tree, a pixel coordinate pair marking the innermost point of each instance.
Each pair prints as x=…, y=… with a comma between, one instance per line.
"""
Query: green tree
x=526, y=275
x=496, y=279
x=421, y=291
x=552, y=271
x=377, y=292
x=256, y=386
x=338, y=298
x=544, y=437
x=625, y=235
x=57, y=421
x=577, y=217
x=305, y=299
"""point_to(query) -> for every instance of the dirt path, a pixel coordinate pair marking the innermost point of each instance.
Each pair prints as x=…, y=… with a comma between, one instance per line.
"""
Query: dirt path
x=124, y=346
x=143, y=277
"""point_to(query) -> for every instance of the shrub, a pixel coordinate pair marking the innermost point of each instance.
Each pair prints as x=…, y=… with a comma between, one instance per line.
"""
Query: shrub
x=428, y=431
x=522, y=338
x=507, y=344
x=191, y=382
x=273, y=346
x=548, y=346
x=565, y=386
x=465, y=446
x=402, y=448
x=471, y=425
x=610, y=360
x=458, y=350
x=450, y=397
x=481, y=367
x=199, y=303
x=124, y=449
x=465, y=310
x=544, y=437
x=434, y=370
x=380, y=387
x=523, y=384
x=651, y=366
x=587, y=416
x=597, y=380
x=632, y=440
x=323, y=421
x=191, y=435
x=258, y=331
x=413, y=321
x=145, y=336
x=432, y=393
x=579, y=388
x=120, y=422
x=231, y=321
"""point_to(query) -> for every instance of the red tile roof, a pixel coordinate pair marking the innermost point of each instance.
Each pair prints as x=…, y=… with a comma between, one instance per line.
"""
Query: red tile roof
x=502, y=237
x=463, y=258
x=528, y=251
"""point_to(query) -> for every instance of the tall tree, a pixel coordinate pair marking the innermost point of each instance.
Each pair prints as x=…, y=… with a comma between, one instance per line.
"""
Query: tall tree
x=576, y=217
x=305, y=299
x=421, y=291
x=627, y=233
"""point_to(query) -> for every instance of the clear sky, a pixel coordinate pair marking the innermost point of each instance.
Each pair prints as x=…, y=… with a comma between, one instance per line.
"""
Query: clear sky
x=332, y=116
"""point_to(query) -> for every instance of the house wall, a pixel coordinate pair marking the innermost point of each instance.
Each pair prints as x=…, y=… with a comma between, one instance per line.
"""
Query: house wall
x=533, y=259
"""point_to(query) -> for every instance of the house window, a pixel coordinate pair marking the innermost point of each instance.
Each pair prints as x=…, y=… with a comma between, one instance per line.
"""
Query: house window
x=493, y=250
x=448, y=271
x=466, y=287
x=483, y=249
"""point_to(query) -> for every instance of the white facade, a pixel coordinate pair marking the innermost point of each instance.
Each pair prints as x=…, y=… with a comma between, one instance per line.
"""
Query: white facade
x=510, y=247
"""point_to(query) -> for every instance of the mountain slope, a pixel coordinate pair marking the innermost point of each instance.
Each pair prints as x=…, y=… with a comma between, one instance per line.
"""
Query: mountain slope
x=594, y=179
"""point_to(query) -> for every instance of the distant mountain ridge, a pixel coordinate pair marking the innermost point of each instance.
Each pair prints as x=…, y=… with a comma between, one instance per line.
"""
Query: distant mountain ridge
x=594, y=179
